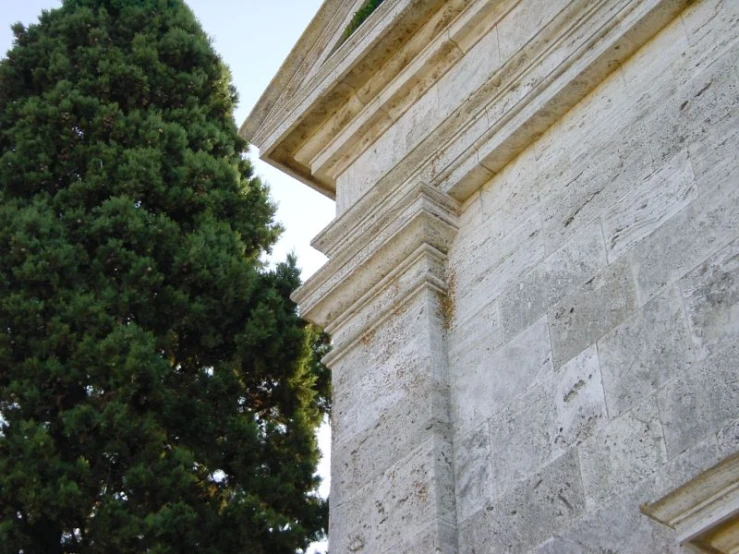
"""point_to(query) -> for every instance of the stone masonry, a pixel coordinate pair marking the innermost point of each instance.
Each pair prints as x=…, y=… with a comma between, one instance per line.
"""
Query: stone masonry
x=533, y=275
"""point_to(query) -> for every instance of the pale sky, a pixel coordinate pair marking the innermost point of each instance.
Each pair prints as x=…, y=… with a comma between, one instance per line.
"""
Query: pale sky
x=253, y=37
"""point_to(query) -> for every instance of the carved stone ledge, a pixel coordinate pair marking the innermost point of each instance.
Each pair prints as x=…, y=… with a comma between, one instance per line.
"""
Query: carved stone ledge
x=704, y=511
x=379, y=248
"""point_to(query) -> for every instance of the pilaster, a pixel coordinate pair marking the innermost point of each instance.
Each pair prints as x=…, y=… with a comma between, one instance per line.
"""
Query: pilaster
x=382, y=296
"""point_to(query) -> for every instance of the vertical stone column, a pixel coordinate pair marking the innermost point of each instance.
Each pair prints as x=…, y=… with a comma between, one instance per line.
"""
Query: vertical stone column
x=382, y=296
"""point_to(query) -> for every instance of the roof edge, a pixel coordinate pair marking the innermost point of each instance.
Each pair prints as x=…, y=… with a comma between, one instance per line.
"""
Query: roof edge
x=289, y=68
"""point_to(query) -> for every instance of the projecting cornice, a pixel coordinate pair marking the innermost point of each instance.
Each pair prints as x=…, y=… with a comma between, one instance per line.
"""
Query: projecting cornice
x=421, y=221
x=334, y=103
x=333, y=100
x=705, y=511
x=325, y=81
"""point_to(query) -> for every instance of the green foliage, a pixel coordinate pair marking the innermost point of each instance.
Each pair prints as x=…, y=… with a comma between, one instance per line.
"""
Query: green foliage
x=156, y=386
x=360, y=16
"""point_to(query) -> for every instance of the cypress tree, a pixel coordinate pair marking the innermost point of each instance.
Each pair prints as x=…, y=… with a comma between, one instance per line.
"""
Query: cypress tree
x=156, y=388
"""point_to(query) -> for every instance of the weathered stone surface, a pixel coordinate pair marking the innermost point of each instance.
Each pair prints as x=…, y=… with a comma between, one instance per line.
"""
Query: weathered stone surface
x=523, y=438
x=648, y=206
x=471, y=72
x=645, y=352
x=728, y=439
x=700, y=401
x=473, y=474
x=628, y=450
x=543, y=505
x=591, y=311
x=579, y=399
x=410, y=495
x=711, y=294
x=575, y=341
x=594, y=182
x=514, y=192
x=488, y=259
x=397, y=431
x=551, y=280
x=618, y=526
x=438, y=538
x=526, y=19
x=686, y=240
x=480, y=391
x=470, y=346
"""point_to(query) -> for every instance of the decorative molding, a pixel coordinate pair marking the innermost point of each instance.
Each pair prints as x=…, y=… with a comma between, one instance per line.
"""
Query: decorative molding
x=404, y=48
x=704, y=511
x=278, y=129
x=373, y=249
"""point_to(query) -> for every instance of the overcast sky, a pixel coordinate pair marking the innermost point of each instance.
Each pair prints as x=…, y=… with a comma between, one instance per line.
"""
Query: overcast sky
x=253, y=37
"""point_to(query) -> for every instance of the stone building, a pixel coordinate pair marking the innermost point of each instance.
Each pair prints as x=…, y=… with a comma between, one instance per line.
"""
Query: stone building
x=533, y=275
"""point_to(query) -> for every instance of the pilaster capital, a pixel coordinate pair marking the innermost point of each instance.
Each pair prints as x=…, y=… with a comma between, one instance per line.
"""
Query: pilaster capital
x=377, y=260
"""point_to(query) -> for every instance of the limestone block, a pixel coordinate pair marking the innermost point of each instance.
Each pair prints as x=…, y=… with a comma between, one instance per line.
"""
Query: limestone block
x=590, y=312
x=692, y=113
x=564, y=270
x=422, y=116
x=363, y=457
x=711, y=294
x=469, y=73
x=711, y=26
x=687, y=239
x=628, y=450
x=648, y=75
x=646, y=351
x=438, y=538
x=597, y=120
x=728, y=439
x=523, y=438
x=713, y=157
x=543, y=505
x=369, y=382
x=410, y=495
x=524, y=21
x=649, y=205
x=490, y=258
x=618, y=526
x=579, y=399
x=471, y=343
x=595, y=183
x=369, y=167
x=515, y=192
x=701, y=401
x=473, y=474
x=480, y=391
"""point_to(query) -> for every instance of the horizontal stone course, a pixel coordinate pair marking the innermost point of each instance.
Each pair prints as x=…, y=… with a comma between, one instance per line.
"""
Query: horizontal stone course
x=567, y=268
x=645, y=352
x=478, y=391
x=543, y=505
x=591, y=311
x=628, y=450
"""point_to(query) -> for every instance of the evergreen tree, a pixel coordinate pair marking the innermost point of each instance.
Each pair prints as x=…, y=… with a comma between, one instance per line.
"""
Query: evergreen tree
x=156, y=389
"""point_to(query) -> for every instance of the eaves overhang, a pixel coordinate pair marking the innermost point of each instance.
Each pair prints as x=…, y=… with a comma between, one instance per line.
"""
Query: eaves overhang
x=327, y=80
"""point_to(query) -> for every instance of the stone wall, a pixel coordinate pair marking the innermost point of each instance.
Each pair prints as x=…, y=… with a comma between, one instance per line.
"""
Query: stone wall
x=594, y=347
x=533, y=277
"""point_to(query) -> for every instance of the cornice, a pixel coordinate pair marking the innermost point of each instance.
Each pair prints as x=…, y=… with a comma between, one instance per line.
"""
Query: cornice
x=373, y=249
x=562, y=66
x=416, y=202
x=278, y=128
x=695, y=509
